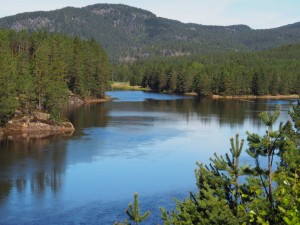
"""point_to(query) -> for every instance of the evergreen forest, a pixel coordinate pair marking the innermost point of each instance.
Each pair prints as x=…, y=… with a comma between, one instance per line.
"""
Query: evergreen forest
x=38, y=70
x=270, y=72
x=128, y=33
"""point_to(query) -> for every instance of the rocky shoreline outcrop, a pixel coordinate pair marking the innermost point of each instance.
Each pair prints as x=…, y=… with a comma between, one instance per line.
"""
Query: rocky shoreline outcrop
x=37, y=122
x=75, y=100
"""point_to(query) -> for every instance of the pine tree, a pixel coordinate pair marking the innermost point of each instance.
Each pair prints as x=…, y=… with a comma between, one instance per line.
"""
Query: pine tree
x=267, y=146
x=202, y=83
x=8, y=94
x=56, y=90
x=226, y=82
x=287, y=177
x=219, y=195
x=171, y=79
x=76, y=68
x=42, y=72
x=25, y=83
x=209, y=206
x=133, y=211
x=231, y=164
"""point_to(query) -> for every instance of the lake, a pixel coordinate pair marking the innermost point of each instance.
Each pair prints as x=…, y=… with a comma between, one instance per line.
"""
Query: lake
x=139, y=142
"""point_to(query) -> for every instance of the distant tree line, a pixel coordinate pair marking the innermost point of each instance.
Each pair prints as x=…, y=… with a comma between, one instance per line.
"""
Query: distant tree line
x=269, y=72
x=38, y=70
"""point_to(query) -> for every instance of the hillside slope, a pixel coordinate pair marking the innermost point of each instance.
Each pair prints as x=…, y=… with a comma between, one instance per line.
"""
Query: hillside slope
x=127, y=32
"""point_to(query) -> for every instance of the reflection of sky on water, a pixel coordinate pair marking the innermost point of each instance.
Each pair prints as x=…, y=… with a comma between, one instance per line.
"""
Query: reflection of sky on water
x=149, y=147
x=140, y=96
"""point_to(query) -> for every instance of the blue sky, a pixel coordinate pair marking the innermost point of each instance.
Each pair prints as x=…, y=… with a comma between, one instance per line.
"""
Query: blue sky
x=257, y=14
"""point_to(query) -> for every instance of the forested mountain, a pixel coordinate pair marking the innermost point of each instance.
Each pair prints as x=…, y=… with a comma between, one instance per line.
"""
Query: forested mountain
x=38, y=70
x=128, y=33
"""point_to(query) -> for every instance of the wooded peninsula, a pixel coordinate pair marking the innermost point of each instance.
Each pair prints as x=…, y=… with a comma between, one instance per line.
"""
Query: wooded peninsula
x=39, y=70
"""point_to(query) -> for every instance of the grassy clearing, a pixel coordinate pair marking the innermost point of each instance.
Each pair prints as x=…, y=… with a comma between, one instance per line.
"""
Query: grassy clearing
x=126, y=86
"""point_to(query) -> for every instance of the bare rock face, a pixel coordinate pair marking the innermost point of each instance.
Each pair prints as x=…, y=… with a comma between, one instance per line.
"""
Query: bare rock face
x=37, y=122
x=41, y=115
x=75, y=100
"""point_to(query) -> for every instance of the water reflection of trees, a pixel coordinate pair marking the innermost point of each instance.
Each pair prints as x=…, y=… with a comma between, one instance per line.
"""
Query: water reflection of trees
x=89, y=115
x=34, y=165
x=5, y=188
x=37, y=164
x=227, y=112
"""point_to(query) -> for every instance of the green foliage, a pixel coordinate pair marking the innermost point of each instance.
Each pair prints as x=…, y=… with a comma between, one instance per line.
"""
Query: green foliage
x=129, y=33
x=232, y=167
x=295, y=115
x=266, y=146
x=288, y=197
x=219, y=197
x=202, y=82
x=222, y=199
x=287, y=178
x=124, y=223
x=8, y=101
x=256, y=73
x=38, y=70
x=204, y=209
x=133, y=212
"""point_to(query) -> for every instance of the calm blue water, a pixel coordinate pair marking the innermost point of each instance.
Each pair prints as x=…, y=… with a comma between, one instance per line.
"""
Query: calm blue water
x=140, y=142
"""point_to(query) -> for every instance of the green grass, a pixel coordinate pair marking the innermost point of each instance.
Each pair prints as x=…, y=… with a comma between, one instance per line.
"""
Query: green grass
x=126, y=86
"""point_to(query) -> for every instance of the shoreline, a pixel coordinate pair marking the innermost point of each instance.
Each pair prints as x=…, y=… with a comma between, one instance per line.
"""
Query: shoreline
x=125, y=86
x=245, y=97
x=97, y=100
x=254, y=97
x=36, y=124
x=36, y=131
x=39, y=125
